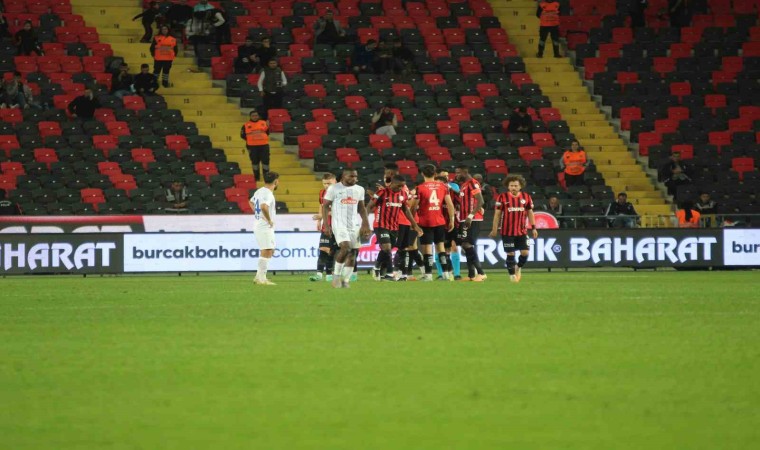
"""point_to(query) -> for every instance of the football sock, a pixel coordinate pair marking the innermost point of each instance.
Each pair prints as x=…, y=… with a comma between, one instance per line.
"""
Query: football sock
x=262, y=273
x=338, y=269
x=384, y=257
x=448, y=262
x=511, y=264
x=401, y=261
x=456, y=263
x=472, y=257
x=322, y=261
x=356, y=259
x=443, y=261
x=438, y=265
x=329, y=263
x=347, y=272
x=418, y=259
x=521, y=260
x=428, y=261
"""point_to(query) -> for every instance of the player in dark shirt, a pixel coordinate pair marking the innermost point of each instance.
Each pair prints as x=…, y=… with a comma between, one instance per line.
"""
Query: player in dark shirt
x=389, y=204
x=512, y=208
x=470, y=215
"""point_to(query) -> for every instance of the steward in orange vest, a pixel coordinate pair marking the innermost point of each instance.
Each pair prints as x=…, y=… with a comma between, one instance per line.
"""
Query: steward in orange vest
x=164, y=50
x=255, y=132
x=574, y=163
x=548, y=16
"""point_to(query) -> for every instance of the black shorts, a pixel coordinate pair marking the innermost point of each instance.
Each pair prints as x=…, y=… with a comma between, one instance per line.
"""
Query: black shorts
x=451, y=236
x=385, y=236
x=433, y=235
x=470, y=234
x=406, y=236
x=512, y=243
x=325, y=241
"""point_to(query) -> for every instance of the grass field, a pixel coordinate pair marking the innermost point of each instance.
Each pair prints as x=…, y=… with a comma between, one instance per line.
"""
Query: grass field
x=579, y=360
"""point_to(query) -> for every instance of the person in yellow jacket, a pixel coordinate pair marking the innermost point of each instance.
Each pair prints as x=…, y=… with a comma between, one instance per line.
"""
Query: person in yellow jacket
x=548, y=17
x=164, y=50
x=255, y=133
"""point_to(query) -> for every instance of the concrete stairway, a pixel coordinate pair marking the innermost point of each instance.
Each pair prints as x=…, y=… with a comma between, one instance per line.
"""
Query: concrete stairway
x=194, y=93
x=562, y=84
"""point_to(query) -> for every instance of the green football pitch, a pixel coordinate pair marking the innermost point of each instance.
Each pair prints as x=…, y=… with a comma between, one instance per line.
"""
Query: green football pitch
x=579, y=360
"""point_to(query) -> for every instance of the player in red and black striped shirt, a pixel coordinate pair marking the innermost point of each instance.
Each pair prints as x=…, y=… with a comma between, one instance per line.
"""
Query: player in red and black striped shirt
x=390, y=204
x=470, y=215
x=512, y=209
x=327, y=245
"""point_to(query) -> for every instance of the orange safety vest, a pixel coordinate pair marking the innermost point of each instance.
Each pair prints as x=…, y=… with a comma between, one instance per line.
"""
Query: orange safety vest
x=549, y=14
x=256, y=133
x=164, y=48
x=693, y=223
x=574, y=162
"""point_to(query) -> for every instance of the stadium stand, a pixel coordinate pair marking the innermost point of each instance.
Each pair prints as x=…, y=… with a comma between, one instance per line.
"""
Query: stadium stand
x=692, y=90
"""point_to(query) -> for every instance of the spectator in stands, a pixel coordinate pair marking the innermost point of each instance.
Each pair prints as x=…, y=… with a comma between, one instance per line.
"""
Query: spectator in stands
x=554, y=207
x=707, y=207
x=221, y=26
x=327, y=30
x=15, y=93
x=637, y=13
x=26, y=41
x=385, y=122
x=203, y=6
x=164, y=50
x=179, y=14
x=8, y=207
x=402, y=58
x=122, y=81
x=548, y=17
x=521, y=122
x=488, y=191
x=245, y=62
x=674, y=173
x=622, y=214
x=255, y=133
x=574, y=163
x=265, y=52
x=272, y=82
x=680, y=12
x=84, y=106
x=687, y=217
x=145, y=83
x=177, y=197
x=364, y=57
x=383, y=62
x=4, y=33
x=147, y=17
x=198, y=29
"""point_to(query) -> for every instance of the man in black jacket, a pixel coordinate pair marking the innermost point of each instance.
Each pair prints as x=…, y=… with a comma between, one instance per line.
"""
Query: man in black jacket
x=84, y=106
x=145, y=82
x=622, y=213
x=674, y=173
x=121, y=82
x=521, y=122
x=245, y=62
x=178, y=14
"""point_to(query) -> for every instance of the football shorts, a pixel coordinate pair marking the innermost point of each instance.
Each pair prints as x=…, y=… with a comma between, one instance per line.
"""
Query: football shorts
x=468, y=234
x=350, y=235
x=433, y=235
x=265, y=237
x=385, y=236
x=512, y=243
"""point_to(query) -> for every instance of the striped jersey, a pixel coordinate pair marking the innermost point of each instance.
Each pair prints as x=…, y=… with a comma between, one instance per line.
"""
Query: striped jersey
x=345, y=205
x=515, y=213
x=388, y=208
x=468, y=192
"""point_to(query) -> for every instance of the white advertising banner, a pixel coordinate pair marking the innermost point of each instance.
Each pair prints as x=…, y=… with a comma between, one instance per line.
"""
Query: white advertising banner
x=217, y=252
x=741, y=247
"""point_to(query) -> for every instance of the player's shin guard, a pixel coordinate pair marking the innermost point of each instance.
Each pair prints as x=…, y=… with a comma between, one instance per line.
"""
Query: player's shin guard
x=401, y=257
x=521, y=260
x=438, y=266
x=443, y=262
x=385, y=259
x=511, y=264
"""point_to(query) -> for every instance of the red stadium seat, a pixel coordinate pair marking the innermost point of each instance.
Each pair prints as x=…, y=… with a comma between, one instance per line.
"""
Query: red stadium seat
x=244, y=181
x=407, y=168
x=323, y=115
x=316, y=128
x=206, y=169
x=315, y=90
x=12, y=168
x=628, y=114
x=118, y=128
x=425, y=140
x=347, y=155
x=496, y=166
x=473, y=140
x=530, y=153
x=307, y=144
x=648, y=139
x=680, y=89
x=686, y=150
x=403, y=90
x=447, y=127
x=49, y=129
x=719, y=138
x=236, y=194
x=678, y=113
x=380, y=141
x=176, y=143
x=105, y=143
x=109, y=168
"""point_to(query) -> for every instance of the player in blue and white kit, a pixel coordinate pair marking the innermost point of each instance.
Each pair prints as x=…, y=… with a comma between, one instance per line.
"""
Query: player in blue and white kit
x=264, y=211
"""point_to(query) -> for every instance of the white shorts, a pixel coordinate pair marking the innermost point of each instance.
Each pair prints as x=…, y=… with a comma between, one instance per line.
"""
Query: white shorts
x=265, y=238
x=348, y=235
